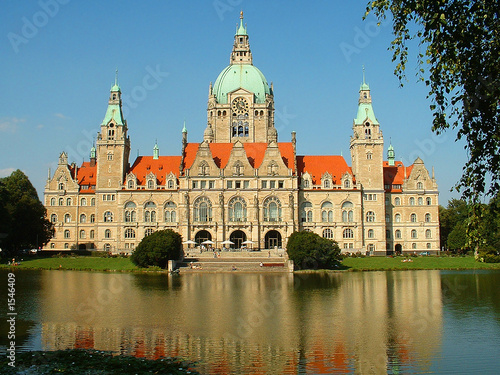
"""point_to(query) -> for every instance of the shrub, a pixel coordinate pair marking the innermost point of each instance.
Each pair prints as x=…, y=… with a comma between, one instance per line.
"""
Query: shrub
x=309, y=250
x=157, y=249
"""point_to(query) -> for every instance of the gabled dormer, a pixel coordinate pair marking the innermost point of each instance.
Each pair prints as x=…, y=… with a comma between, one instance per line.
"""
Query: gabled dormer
x=238, y=164
x=326, y=181
x=131, y=181
x=171, y=181
x=272, y=163
x=203, y=164
x=151, y=181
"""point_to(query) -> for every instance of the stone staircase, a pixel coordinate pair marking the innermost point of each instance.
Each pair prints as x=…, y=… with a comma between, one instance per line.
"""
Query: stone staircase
x=238, y=261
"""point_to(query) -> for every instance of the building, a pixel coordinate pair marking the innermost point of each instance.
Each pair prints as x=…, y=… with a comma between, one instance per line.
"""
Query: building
x=240, y=184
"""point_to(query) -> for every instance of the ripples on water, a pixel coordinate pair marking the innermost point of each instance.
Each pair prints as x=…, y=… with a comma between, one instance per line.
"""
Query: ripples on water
x=373, y=322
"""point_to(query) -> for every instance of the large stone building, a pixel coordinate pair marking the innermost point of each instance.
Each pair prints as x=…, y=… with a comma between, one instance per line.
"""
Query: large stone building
x=240, y=184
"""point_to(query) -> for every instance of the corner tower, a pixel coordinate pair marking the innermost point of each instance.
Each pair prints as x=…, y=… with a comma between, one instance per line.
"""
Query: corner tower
x=241, y=103
x=113, y=145
x=367, y=143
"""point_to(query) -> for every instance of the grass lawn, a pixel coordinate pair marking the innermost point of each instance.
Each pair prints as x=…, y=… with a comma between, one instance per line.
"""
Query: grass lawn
x=421, y=262
x=83, y=263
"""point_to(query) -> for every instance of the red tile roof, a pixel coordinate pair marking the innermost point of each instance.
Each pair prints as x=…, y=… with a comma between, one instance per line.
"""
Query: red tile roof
x=255, y=153
x=86, y=176
x=161, y=167
x=316, y=166
x=395, y=175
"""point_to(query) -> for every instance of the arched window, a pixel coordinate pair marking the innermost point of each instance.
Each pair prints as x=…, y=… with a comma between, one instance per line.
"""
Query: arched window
x=67, y=218
x=370, y=248
x=130, y=212
x=397, y=234
x=369, y=154
x=305, y=183
x=53, y=201
x=420, y=201
x=237, y=209
x=348, y=233
x=328, y=233
x=92, y=233
x=150, y=212
x=61, y=202
x=108, y=217
x=67, y=234
x=170, y=184
x=420, y=185
x=151, y=184
x=347, y=184
x=428, y=245
x=347, y=212
x=170, y=212
x=82, y=234
x=148, y=232
x=202, y=209
x=414, y=246
x=388, y=234
x=60, y=186
x=83, y=218
x=92, y=218
x=413, y=218
x=371, y=233
x=107, y=233
x=412, y=201
x=83, y=202
x=306, y=212
x=272, y=209
x=129, y=233
x=68, y=202
x=53, y=218
x=387, y=218
x=397, y=218
x=397, y=201
x=370, y=217
x=130, y=184
x=92, y=202
x=413, y=233
x=428, y=233
x=427, y=218
x=428, y=201
x=326, y=184
x=327, y=212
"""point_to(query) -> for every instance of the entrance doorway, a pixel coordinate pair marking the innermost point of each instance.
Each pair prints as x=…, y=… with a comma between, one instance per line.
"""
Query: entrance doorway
x=238, y=237
x=201, y=236
x=398, y=249
x=272, y=239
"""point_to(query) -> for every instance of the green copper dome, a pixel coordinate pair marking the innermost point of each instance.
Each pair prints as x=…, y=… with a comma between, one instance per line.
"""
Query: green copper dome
x=243, y=76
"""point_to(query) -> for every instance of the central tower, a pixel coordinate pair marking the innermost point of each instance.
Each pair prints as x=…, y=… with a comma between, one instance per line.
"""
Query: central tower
x=240, y=103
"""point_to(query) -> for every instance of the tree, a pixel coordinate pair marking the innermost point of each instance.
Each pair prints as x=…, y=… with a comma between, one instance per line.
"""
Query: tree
x=461, y=40
x=23, y=224
x=309, y=250
x=456, y=212
x=157, y=249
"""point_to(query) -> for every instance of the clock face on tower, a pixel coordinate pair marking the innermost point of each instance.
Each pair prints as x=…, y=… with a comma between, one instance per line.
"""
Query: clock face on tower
x=240, y=105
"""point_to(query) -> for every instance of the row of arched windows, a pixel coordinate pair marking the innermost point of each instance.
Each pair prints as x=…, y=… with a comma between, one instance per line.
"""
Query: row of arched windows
x=348, y=233
x=412, y=201
x=327, y=212
x=413, y=218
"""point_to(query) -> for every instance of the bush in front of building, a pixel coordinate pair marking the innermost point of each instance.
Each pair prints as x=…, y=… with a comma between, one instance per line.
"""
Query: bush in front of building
x=157, y=249
x=311, y=251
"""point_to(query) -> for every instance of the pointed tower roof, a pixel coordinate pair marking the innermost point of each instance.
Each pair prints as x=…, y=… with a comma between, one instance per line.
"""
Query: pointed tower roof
x=241, y=30
x=156, y=151
x=184, y=130
x=391, y=155
x=365, y=109
x=114, y=111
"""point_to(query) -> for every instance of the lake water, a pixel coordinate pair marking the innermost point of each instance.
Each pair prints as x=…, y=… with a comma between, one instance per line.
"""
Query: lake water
x=404, y=322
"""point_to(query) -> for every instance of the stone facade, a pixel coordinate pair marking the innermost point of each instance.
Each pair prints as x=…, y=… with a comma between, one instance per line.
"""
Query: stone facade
x=240, y=184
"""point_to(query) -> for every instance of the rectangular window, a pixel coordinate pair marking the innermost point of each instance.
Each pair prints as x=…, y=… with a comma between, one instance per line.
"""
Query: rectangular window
x=264, y=184
x=211, y=184
x=237, y=184
x=230, y=184
x=203, y=184
x=195, y=184
x=272, y=184
x=246, y=184
x=281, y=184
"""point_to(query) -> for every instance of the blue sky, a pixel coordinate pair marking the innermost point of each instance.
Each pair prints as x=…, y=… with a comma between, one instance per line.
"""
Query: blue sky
x=59, y=59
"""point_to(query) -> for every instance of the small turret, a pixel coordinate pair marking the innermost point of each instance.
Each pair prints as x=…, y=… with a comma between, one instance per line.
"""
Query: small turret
x=391, y=156
x=156, y=151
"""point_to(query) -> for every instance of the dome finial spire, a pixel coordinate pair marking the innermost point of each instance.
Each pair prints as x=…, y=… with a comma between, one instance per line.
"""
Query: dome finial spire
x=116, y=77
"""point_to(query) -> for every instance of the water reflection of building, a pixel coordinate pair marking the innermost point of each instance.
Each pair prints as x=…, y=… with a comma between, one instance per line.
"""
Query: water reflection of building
x=362, y=322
